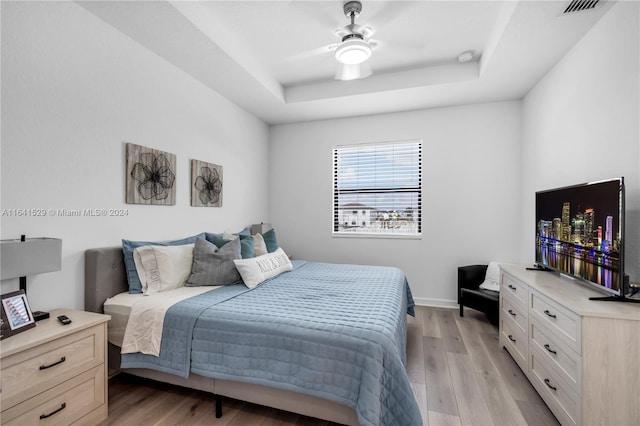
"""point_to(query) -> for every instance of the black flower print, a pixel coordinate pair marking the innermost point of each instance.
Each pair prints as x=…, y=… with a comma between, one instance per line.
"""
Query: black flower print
x=154, y=175
x=209, y=185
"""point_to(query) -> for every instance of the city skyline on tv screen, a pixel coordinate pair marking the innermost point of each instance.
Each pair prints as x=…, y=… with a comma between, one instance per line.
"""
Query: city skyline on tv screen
x=578, y=231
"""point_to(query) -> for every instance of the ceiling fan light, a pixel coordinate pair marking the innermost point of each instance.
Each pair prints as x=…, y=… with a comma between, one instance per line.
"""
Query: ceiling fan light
x=353, y=51
x=353, y=72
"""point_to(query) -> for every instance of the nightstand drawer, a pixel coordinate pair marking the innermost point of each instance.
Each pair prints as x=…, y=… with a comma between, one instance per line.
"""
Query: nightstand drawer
x=63, y=404
x=27, y=373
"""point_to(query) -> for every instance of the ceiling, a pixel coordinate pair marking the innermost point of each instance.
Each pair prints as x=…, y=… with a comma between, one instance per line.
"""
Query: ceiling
x=271, y=57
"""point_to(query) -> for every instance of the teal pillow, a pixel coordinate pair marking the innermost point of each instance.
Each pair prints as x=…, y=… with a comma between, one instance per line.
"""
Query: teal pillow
x=270, y=240
x=247, y=247
x=216, y=239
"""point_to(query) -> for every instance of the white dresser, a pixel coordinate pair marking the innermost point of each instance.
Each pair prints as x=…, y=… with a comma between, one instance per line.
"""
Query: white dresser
x=55, y=374
x=582, y=356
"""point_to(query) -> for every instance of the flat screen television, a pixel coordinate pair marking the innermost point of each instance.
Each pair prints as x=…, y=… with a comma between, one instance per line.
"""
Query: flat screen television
x=580, y=233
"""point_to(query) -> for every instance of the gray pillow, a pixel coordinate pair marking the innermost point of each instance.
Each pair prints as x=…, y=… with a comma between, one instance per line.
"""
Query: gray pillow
x=213, y=266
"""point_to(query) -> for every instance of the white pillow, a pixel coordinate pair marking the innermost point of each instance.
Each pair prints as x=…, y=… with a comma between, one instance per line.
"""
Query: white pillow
x=229, y=236
x=255, y=270
x=163, y=268
x=259, y=246
x=492, y=278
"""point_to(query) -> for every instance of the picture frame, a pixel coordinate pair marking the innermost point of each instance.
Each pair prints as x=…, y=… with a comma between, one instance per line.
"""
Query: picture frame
x=150, y=176
x=206, y=184
x=16, y=314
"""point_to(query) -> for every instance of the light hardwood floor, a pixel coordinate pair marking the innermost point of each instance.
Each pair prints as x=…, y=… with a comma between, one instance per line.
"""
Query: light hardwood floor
x=458, y=374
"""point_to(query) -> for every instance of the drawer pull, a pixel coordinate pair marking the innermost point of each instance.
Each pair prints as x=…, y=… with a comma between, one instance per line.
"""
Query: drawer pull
x=62, y=407
x=549, y=314
x=548, y=348
x=513, y=314
x=548, y=383
x=44, y=367
x=512, y=287
x=511, y=338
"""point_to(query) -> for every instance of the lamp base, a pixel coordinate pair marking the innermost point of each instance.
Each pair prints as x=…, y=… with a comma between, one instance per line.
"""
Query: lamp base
x=40, y=315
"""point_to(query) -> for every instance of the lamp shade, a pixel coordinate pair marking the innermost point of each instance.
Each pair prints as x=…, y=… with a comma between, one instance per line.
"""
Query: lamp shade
x=260, y=228
x=30, y=257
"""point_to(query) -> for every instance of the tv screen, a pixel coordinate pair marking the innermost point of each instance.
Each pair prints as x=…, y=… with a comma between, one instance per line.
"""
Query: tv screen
x=580, y=232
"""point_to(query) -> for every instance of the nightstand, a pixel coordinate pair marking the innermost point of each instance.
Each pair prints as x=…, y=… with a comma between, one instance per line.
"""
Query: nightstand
x=56, y=374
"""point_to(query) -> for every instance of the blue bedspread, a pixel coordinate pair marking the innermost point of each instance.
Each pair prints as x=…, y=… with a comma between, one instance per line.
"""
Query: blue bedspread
x=328, y=330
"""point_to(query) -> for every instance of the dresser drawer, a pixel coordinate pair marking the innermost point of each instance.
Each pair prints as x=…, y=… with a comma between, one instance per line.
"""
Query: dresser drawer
x=565, y=324
x=565, y=362
x=514, y=340
x=27, y=373
x=64, y=404
x=517, y=313
x=562, y=400
x=515, y=290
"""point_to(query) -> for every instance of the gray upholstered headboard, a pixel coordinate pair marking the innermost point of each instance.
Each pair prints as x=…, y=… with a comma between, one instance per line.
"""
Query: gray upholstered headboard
x=104, y=276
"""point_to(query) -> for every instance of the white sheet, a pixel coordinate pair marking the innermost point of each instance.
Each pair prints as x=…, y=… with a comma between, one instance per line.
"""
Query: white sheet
x=119, y=307
x=143, y=332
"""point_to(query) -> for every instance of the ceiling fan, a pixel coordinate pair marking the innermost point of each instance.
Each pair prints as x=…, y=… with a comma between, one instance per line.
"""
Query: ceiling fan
x=355, y=47
x=353, y=50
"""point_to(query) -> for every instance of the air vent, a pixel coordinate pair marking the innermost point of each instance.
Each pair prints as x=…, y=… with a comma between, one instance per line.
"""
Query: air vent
x=579, y=5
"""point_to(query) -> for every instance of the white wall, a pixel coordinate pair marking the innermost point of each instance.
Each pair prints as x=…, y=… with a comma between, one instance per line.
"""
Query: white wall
x=74, y=90
x=582, y=122
x=471, y=190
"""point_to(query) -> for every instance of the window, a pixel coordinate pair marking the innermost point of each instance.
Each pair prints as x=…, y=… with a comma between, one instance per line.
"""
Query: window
x=384, y=182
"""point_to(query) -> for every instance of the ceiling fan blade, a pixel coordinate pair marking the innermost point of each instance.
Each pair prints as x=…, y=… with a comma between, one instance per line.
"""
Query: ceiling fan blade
x=348, y=72
x=367, y=32
x=312, y=53
x=400, y=46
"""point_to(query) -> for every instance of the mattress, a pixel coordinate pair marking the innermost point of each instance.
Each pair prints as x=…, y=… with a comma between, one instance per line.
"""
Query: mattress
x=120, y=305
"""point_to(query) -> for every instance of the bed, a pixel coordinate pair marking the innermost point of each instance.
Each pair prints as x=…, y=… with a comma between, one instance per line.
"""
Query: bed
x=254, y=347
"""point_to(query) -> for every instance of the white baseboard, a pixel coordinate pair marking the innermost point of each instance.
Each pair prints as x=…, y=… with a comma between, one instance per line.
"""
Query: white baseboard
x=438, y=303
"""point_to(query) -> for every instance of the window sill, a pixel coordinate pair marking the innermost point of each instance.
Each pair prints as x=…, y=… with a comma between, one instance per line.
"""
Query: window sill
x=376, y=235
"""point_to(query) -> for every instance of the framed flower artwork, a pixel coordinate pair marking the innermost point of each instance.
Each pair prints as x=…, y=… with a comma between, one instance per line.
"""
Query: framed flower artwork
x=206, y=184
x=151, y=176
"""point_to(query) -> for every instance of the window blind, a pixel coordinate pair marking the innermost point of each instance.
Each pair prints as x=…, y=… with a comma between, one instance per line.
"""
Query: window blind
x=377, y=189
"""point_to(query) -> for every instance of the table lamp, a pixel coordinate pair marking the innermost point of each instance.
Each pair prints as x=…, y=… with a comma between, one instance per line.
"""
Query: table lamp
x=30, y=256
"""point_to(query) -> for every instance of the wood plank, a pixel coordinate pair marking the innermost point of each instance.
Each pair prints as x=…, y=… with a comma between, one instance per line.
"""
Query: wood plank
x=475, y=347
x=537, y=414
x=503, y=409
x=519, y=386
x=450, y=334
x=415, y=352
x=430, y=325
x=440, y=393
x=160, y=406
x=471, y=404
x=131, y=398
x=420, y=392
x=251, y=414
x=480, y=322
x=440, y=419
x=195, y=407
